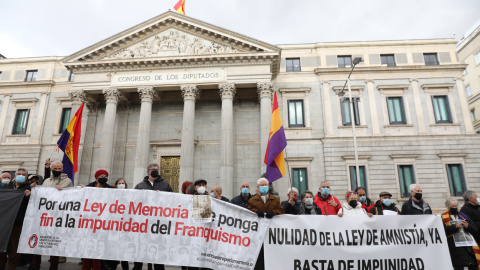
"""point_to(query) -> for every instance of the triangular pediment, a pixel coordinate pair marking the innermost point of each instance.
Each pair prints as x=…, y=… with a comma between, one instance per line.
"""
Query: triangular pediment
x=170, y=35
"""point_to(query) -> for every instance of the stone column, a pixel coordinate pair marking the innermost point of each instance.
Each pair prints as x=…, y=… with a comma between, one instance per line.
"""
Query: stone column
x=3, y=115
x=108, y=132
x=85, y=168
x=327, y=108
x=418, y=107
x=143, y=137
x=373, y=108
x=77, y=96
x=189, y=94
x=265, y=91
x=467, y=120
x=227, y=92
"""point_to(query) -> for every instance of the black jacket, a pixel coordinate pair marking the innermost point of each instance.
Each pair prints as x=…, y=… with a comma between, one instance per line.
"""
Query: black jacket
x=92, y=184
x=291, y=209
x=305, y=211
x=379, y=207
x=473, y=213
x=461, y=256
x=241, y=201
x=225, y=199
x=158, y=184
x=23, y=207
x=410, y=208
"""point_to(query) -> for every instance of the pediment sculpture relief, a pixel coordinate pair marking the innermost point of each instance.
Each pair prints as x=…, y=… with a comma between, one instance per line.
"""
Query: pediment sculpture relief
x=172, y=43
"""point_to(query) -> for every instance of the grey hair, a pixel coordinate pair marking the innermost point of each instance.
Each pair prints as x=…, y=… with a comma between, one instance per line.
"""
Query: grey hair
x=261, y=179
x=294, y=189
x=21, y=169
x=468, y=194
x=57, y=162
x=413, y=187
x=449, y=201
x=219, y=188
x=152, y=165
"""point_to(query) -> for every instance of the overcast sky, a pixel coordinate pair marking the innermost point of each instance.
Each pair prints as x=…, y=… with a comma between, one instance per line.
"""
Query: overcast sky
x=30, y=28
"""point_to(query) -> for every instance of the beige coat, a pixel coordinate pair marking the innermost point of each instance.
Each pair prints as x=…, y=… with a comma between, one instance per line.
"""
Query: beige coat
x=62, y=181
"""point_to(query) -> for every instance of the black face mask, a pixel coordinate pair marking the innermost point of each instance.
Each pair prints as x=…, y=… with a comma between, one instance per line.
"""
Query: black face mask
x=154, y=174
x=454, y=211
x=102, y=181
x=353, y=203
x=56, y=173
x=418, y=196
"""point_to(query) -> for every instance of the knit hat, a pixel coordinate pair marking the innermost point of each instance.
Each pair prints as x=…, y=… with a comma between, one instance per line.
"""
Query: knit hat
x=100, y=172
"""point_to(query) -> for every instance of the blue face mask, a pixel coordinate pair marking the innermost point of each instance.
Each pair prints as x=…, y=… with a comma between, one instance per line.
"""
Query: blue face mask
x=20, y=179
x=213, y=194
x=387, y=202
x=245, y=191
x=325, y=191
x=263, y=190
x=363, y=199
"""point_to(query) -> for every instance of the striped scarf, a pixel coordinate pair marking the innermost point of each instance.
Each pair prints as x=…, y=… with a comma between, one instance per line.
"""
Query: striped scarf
x=446, y=219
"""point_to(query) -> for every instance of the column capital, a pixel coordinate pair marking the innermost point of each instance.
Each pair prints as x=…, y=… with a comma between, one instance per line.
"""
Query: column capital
x=458, y=79
x=111, y=94
x=189, y=91
x=413, y=80
x=146, y=93
x=78, y=96
x=227, y=90
x=92, y=107
x=265, y=90
x=369, y=81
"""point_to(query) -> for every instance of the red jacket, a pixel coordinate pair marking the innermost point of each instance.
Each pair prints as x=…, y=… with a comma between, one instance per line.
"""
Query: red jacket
x=326, y=208
x=367, y=208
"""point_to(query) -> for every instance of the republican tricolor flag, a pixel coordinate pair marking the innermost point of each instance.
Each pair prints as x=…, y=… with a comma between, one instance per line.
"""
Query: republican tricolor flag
x=276, y=143
x=180, y=7
x=69, y=143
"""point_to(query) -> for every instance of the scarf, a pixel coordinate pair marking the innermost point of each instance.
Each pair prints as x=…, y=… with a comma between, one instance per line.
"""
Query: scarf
x=446, y=219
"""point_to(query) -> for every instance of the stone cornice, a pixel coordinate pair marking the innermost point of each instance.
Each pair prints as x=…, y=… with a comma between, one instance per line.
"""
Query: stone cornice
x=474, y=98
x=381, y=69
x=23, y=84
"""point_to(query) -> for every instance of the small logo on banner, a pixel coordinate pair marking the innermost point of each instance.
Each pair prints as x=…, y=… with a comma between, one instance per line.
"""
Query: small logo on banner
x=33, y=241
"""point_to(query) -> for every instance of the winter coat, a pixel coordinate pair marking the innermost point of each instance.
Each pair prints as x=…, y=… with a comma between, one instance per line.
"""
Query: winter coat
x=241, y=201
x=368, y=205
x=158, y=184
x=378, y=208
x=62, y=181
x=461, y=256
x=273, y=204
x=291, y=209
x=92, y=184
x=348, y=210
x=411, y=208
x=323, y=204
x=23, y=207
x=224, y=199
x=473, y=213
x=305, y=211
x=10, y=185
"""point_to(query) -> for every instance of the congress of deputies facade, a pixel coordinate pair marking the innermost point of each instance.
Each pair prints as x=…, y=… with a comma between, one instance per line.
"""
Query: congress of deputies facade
x=196, y=98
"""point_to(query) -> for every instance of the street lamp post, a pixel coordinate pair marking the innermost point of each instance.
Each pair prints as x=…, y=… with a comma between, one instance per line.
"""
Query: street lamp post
x=356, y=61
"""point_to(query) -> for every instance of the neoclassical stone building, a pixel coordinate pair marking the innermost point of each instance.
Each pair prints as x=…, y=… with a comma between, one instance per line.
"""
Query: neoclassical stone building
x=196, y=98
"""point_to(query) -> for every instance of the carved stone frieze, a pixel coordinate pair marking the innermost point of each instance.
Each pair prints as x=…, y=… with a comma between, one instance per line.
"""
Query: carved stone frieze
x=227, y=90
x=173, y=42
x=146, y=93
x=112, y=94
x=78, y=96
x=265, y=90
x=189, y=91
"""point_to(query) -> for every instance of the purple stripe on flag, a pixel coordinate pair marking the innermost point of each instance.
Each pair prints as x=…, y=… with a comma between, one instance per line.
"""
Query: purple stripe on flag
x=276, y=144
x=68, y=167
x=273, y=173
x=62, y=142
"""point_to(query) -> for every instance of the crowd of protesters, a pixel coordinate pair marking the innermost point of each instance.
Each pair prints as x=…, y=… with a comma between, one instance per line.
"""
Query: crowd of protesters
x=264, y=203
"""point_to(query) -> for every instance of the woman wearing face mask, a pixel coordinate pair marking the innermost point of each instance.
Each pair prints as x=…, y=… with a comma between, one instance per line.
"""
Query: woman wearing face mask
x=384, y=204
x=352, y=207
x=307, y=207
x=456, y=222
x=120, y=184
x=101, y=179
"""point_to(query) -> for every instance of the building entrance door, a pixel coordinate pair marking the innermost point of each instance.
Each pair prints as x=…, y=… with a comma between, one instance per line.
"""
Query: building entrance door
x=170, y=170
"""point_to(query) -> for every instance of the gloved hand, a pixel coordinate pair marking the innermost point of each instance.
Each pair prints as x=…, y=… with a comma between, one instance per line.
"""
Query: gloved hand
x=269, y=214
x=260, y=213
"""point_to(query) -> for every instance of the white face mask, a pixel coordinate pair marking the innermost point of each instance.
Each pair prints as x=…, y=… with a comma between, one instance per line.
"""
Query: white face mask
x=478, y=201
x=201, y=190
x=121, y=186
x=308, y=201
x=6, y=181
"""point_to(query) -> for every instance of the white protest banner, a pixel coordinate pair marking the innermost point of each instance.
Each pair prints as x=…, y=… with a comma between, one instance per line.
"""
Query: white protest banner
x=139, y=225
x=356, y=243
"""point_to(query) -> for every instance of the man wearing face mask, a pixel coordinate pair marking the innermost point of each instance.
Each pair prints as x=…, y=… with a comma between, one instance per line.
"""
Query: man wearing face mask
x=200, y=187
x=6, y=182
x=21, y=184
x=153, y=181
x=362, y=198
x=307, y=207
x=60, y=181
x=216, y=193
x=242, y=199
x=264, y=204
x=292, y=206
x=471, y=208
x=385, y=203
x=329, y=204
x=415, y=205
